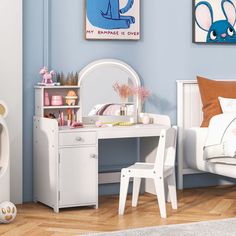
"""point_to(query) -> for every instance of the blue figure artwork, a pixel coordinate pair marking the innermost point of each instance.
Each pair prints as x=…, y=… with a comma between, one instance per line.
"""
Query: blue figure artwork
x=106, y=14
x=221, y=31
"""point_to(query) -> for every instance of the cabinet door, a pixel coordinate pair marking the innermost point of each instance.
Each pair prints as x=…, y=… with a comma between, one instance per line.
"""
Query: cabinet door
x=78, y=176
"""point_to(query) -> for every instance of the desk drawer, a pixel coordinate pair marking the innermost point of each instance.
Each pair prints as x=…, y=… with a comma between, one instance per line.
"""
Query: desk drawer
x=74, y=139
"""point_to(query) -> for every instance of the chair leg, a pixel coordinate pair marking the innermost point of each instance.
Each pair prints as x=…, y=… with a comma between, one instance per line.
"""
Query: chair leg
x=172, y=190
x=160, y=189
x=124, y=184
x=136, y=188
x=167, y=194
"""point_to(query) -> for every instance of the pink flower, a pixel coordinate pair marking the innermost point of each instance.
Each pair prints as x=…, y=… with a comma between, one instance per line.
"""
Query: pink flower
x=142, y=93
x=123, y=90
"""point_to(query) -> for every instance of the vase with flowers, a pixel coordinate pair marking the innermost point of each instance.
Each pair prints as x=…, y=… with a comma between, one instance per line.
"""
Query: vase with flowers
x=124, y=91
x=142, y=94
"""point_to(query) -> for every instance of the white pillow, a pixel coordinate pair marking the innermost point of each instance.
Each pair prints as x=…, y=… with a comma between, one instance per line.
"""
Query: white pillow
x=228, y=105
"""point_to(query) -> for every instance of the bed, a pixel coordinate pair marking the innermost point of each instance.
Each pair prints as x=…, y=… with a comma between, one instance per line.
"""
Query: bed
x=191, y=137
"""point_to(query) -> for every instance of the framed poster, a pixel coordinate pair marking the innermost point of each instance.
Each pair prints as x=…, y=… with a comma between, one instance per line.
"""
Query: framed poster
x=112, y=19
x=214, y=21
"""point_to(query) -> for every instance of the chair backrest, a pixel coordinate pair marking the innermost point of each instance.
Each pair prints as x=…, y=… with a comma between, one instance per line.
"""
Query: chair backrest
x=158, y=119
x=166, y=150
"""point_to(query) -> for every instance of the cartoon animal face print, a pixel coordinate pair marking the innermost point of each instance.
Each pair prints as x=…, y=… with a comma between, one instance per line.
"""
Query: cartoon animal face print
x=221, y=31
x=7, y=212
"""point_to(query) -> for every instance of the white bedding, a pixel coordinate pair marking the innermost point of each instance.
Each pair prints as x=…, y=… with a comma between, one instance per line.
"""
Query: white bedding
x=194, y=139
x=220, y=145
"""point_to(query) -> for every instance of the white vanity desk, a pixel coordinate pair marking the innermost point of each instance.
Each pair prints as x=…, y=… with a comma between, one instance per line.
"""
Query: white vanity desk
x=66, y=172
x=65, y=159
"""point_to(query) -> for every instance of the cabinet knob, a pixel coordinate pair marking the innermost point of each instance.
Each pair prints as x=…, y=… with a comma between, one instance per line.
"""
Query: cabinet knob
x=78, y=139
x=93, y=155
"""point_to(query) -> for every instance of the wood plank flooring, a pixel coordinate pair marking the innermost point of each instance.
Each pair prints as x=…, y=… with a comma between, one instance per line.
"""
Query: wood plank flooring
x=194, y=205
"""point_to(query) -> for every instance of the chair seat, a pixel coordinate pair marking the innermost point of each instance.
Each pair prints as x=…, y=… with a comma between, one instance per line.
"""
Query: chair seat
x=139, y=166
x=142, y=166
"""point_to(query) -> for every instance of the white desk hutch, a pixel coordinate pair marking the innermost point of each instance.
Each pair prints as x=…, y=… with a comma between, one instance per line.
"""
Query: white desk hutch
x=66, y=160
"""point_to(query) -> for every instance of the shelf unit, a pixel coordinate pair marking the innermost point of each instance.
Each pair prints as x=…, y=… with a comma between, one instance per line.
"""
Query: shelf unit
x=65, y=163
x=43, y=111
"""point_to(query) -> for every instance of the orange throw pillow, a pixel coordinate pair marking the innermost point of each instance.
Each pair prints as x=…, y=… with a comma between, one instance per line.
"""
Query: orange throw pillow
x=210, y=90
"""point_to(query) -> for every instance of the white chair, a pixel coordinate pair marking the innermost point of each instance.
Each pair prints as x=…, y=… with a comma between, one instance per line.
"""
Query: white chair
x=163, y=170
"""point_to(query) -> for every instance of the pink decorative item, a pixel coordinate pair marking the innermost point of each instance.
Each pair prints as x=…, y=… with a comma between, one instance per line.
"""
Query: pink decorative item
x=62, y=121
x=98, y=124
x=124, y=92
x=56, y=100
x=46, y=99
x=142, y=93
x=76, y=125
x=46, y=76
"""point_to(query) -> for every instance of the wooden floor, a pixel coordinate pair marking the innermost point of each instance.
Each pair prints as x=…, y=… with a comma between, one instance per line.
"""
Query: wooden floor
x=194, y=205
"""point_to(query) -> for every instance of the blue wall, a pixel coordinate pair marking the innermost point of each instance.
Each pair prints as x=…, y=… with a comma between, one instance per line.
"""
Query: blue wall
x=164, y=54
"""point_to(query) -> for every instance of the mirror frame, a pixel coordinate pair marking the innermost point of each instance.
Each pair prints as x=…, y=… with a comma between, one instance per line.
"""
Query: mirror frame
x=92, y=66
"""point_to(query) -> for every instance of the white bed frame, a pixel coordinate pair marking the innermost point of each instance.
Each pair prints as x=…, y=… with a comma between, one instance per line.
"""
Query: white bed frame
x=191, y=140
x=189, y=114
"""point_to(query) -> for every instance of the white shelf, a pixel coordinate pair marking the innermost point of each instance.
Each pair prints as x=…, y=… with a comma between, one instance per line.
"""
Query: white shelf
x=58, y=107
x=58, y=87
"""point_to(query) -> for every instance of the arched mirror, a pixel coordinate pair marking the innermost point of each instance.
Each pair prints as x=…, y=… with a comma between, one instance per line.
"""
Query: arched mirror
x=98, y=98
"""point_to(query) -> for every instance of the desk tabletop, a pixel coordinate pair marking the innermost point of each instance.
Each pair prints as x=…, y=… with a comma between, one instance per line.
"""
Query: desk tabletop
x=138, y=130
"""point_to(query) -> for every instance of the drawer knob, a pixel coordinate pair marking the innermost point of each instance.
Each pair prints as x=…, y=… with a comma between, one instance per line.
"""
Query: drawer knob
x=78, y=139
x=93, y=155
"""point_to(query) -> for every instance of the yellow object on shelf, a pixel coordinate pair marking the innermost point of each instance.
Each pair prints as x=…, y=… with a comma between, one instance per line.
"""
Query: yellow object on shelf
x=71, y=98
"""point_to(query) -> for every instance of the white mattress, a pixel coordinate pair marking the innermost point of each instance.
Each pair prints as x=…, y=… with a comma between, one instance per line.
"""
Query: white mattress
x=194, y=140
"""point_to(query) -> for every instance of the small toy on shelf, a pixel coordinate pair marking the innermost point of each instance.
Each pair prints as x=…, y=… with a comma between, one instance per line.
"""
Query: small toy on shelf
x=56, y=100
x=46, y=99
x=50, y=116
x=61, y=121
x=46, y=76
x=71, y=98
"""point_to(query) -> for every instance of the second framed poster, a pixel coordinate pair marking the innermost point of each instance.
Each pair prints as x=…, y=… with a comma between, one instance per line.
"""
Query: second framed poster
x=112, y=19
x=214, y=21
